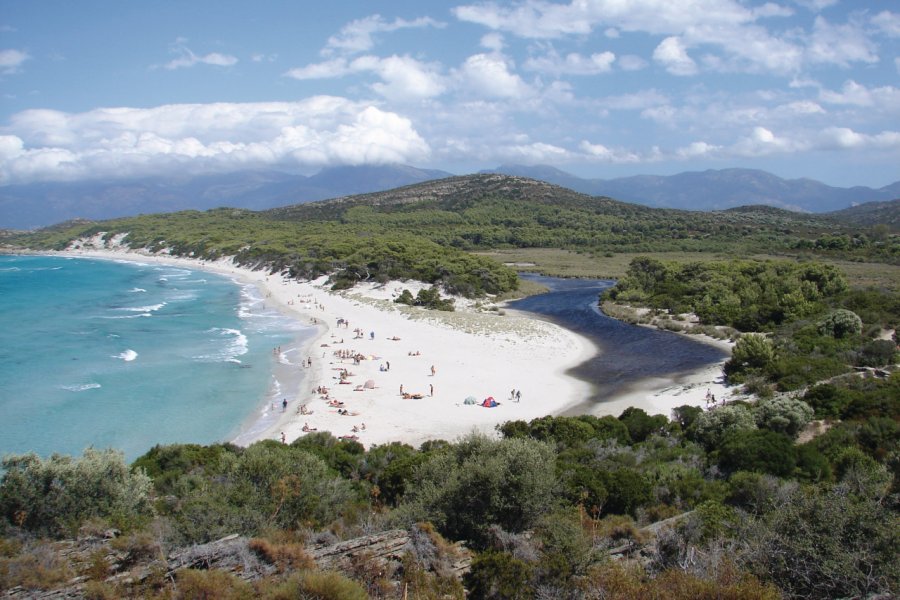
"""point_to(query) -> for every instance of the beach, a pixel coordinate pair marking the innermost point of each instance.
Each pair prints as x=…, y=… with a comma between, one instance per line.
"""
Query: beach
x=399, y=373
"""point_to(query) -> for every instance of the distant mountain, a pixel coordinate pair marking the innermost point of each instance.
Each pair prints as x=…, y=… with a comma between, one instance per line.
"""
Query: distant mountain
x=714, y=189
x=40, y=204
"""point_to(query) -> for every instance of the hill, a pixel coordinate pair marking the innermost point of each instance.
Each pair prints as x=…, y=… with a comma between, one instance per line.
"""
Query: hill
x=36, y=205
x=714, y=189
x=40, y=204
x=425, y=231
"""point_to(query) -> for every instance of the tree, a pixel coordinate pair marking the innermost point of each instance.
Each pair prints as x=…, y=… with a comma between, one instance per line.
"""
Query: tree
x=641, y=425
x=751, y=355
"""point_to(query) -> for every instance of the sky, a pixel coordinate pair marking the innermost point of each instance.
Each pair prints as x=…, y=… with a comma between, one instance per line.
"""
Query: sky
x=598, y=88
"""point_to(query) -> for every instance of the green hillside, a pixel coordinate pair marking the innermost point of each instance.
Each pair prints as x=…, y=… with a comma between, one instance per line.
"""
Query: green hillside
x=425, y=231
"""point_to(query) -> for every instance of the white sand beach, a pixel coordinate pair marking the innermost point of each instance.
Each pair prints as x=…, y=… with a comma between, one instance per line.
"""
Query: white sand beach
x=474, y=352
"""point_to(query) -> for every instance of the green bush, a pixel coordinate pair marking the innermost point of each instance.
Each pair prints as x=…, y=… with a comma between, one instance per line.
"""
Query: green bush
x=55, y=496
x=476, y=482
x=783, y=415
x=711, y=426
x=758, y=450
x=840, y=323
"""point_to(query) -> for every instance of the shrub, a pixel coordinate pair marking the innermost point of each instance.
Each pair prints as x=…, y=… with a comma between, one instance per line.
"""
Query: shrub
x=782, y=415
x=499, y=576
x=759, y=450
x=54, y=496
x=840, y=323
x=712, y=425
x=476, y=482
x=211, y=585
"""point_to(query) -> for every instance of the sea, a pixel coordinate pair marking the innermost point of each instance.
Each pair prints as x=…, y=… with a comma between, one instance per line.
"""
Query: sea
x=126, y=355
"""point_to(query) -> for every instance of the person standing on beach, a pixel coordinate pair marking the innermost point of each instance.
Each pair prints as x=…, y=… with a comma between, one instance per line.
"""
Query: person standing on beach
x=430, y=389
x=284, y=405
x=432, y=370
x=518, y=395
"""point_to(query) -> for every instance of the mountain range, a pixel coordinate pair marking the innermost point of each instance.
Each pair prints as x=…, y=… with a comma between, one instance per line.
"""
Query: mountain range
x=29, y=206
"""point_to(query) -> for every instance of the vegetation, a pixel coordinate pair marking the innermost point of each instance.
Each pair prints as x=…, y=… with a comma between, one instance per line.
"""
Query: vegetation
x=804, y=323
x=742, y=502
x=759, y=515
x=425, y=232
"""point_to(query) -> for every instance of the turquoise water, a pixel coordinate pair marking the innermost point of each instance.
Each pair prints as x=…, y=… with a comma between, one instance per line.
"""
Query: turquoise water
x=127, y=355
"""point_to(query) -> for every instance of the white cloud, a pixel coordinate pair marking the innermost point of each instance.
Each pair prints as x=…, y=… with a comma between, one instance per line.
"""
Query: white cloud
x=839, y=44
x=187, y=58
x=843, y=138
x=763, y=142
x=572, y=64
x=697, y=150
x=532, y=19
x=534, y=153
x=358, y=36
x=118, y=142
x=337, y=67
x=12, y=60
x=673, y=56
x=601, y=153
x=493, y=41
x=489, y=75
x=402, y=78
x=854, y=94
x=728, y=31
x=888, y=23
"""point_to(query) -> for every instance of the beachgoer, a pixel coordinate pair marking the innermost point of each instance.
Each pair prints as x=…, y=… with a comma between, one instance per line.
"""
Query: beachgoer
x=388, y=365
x=371, y=335
x=518, y=395
x=401, y=389
x=283, y=438
x=284, y=404
x=430, y=390
x=432, y=370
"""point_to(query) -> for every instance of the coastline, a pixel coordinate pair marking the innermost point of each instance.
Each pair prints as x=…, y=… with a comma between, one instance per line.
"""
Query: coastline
x=475, y=353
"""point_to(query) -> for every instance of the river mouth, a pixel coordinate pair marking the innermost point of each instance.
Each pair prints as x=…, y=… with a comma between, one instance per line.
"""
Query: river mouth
x=628, y=354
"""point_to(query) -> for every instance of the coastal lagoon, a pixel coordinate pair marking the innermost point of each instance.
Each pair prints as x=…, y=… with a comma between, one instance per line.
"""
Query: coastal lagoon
x=127, y=355
x=628, y=354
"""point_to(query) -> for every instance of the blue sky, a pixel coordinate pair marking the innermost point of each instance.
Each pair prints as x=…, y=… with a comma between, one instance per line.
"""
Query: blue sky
x=599, y=88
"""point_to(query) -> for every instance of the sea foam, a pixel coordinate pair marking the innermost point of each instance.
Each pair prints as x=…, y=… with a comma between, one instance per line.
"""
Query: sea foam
x=128, y=356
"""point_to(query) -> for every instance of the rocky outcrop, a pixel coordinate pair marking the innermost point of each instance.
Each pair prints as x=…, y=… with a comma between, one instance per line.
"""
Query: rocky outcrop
x=233, y=554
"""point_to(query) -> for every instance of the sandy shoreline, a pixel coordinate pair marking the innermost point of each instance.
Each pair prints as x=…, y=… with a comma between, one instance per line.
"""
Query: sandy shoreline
x=477, y=353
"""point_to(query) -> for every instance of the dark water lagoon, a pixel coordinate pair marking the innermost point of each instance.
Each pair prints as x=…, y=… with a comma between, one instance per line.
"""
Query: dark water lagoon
x=628, y=353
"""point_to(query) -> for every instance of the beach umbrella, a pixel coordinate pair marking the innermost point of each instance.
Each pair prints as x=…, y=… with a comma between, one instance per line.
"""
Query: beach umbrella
x=370, y=384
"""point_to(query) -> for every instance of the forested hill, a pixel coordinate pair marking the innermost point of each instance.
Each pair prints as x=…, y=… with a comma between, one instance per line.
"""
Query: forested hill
x=419, y=231
x=457, y=194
